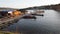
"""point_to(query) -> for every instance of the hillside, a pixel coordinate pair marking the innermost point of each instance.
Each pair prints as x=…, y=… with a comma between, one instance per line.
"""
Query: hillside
x=55, y=7
x=6, y=9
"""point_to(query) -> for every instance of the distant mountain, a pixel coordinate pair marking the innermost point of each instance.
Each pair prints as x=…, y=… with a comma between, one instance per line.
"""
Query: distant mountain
x=55, y=7
x=6, y=9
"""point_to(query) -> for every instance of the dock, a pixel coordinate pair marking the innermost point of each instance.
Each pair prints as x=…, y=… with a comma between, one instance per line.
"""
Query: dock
x=4, y=23
x=8, y=21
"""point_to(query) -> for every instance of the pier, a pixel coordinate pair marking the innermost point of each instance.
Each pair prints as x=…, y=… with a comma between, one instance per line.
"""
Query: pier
x=9, y=21
x=10, y=18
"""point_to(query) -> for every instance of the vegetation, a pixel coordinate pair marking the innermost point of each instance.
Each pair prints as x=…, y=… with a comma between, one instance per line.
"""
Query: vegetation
x=43, y=7
x=7, y=32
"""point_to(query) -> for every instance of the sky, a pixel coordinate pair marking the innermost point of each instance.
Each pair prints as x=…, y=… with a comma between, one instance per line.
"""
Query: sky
x=26, y=3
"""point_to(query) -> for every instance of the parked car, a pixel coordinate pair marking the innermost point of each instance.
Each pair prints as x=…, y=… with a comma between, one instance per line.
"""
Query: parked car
x=1, y=16
x=3, y=13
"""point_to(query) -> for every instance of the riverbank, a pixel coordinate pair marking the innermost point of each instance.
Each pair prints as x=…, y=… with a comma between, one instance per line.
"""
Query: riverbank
x=7, y=21
x=7, y=32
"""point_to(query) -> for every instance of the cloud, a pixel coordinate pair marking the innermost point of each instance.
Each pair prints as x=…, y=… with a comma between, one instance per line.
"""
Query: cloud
x=26, y=3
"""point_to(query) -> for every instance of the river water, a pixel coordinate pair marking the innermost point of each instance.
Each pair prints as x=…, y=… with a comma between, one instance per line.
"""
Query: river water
x=47, y=24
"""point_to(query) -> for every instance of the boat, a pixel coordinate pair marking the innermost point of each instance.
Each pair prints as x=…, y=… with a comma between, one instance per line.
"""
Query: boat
x=29, y=17
x=38, y=13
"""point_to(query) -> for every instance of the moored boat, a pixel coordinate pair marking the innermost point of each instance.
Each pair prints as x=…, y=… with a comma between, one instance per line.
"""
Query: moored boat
x=39, y=13
x=29, y=17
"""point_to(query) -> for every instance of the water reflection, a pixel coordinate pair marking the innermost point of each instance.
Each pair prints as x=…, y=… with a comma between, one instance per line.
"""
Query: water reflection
x=48, y=24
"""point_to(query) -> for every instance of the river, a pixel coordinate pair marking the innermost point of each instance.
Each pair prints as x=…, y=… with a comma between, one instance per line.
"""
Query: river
x=47, y=24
